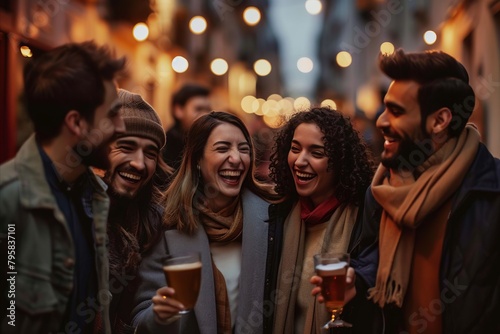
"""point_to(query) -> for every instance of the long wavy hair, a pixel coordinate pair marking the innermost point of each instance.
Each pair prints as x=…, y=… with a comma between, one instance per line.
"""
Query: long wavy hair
x=179, y=212
x=347, y=154
x=134, y=226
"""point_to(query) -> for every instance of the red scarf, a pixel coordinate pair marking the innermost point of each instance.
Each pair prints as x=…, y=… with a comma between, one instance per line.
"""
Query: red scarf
x=316, y=215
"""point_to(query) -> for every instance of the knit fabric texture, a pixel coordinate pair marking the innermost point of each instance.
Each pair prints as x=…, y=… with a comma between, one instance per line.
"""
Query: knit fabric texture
x=140, y=118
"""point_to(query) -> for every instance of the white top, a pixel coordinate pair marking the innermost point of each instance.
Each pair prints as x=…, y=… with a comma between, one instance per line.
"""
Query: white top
x=227, y=258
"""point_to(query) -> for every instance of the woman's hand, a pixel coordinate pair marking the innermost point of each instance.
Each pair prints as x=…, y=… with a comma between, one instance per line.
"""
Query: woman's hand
x=165, y=307
x=350, y=289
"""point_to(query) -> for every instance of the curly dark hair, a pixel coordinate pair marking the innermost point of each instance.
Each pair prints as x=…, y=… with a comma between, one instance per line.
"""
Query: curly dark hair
x=347, y=155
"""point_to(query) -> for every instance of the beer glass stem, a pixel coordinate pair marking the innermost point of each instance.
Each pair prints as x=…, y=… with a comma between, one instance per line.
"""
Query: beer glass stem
x=336, y=313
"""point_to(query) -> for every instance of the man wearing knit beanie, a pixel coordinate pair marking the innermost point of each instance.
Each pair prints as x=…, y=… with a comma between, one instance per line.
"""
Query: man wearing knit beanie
x=135, y=177
x=140, y=118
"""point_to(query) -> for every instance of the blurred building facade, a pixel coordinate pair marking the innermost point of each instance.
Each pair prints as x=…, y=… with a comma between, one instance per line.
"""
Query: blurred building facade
x=467, y=29
x=30, y=27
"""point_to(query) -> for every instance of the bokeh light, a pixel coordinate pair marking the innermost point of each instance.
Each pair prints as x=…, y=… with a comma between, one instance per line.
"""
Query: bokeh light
x=180, y=64
x=26, y=51
x=262, y=67
x=344, y=59
x=251, y=16
x=246, y=103
x=198, y=25
x=141, y=31
x=302, y=103
x=219, y=66
x=387, y=48
x=430, y=37
x=313, y=7
x=305, y=65
x=329, y=103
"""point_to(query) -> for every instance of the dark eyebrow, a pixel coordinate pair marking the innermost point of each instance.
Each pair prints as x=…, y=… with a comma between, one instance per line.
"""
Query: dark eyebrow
x=123, y=141
x=221, y=143
x=152, y=147
x=395, y=106
x=314, y=146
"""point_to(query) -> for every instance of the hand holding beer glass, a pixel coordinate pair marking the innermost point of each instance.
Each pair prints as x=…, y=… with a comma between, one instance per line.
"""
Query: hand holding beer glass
x=183, y=274
x=332, y=268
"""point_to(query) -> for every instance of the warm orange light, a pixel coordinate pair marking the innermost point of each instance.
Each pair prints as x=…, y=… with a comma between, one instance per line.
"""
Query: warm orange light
x=219, y=66
x=26, y=51
x=262, y=67
x=251, y=16
x=387, y=48
x=344, y=59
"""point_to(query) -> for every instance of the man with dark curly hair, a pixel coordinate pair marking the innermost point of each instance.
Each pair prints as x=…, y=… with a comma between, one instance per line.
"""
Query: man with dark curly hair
x=321, y=165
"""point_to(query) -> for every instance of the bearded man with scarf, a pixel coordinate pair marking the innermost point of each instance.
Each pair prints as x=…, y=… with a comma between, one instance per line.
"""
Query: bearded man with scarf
x=435, y=195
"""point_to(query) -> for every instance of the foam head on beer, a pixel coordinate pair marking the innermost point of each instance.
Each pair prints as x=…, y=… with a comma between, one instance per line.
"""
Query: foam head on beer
x=332, y=268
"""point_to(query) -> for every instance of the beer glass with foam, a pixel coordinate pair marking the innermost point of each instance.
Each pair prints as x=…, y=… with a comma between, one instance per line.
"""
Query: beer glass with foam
x=332, y=268
x=183, y=273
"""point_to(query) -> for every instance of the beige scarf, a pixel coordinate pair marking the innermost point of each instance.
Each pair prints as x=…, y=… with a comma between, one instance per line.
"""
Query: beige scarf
x=225, y=225
x=337, y=237
x=407, y=202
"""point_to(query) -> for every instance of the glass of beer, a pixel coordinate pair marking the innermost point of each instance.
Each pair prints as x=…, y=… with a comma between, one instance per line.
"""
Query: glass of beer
x=183, y=273
x=332, y=268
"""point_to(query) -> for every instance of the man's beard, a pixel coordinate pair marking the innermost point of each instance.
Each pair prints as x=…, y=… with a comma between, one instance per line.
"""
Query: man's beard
x=405, y=157
x=125, y=196
x=124, y=200
x=96, y=156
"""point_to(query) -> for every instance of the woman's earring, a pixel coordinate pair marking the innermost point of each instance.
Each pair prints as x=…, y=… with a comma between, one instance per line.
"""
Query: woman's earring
x=199, y=171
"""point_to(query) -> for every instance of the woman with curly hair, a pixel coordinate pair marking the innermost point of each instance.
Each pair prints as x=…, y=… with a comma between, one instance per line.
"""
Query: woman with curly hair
x=320, y=164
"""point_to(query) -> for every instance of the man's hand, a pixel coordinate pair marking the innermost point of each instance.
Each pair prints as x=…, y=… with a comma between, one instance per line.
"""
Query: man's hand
x=350, y=289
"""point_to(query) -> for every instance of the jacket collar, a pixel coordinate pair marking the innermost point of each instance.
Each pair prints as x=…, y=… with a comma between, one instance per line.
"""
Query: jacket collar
x=35, y=192
x=483, y=175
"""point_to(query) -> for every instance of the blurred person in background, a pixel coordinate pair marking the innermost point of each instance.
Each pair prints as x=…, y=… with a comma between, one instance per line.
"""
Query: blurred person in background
x=188, y=103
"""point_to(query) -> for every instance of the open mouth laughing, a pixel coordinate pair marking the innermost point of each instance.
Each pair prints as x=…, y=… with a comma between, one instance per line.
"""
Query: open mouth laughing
x=231, y=176
x=304, y=177
x=130, y=177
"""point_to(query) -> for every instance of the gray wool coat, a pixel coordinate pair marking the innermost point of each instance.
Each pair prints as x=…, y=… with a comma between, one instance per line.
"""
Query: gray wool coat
x=252, y=279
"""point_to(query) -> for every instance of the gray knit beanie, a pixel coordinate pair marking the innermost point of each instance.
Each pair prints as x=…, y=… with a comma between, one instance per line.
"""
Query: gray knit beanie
x=140, y=118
